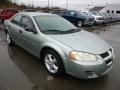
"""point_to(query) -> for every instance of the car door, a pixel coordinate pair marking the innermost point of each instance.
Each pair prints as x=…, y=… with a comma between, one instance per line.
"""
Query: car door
x=71, y=16
x=29, y=39
x=14, y=27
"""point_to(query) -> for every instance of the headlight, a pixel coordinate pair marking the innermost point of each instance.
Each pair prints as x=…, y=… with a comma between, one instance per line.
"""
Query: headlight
x=81, y=56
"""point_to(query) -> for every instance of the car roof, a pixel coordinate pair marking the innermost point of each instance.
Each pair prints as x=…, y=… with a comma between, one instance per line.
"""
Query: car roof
x=31, y=14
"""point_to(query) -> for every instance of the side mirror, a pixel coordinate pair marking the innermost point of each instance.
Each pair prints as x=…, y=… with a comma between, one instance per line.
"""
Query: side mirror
x=30, y=29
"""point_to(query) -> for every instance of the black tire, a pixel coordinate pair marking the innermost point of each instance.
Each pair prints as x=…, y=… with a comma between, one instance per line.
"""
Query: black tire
x=10, y=41
x=59, y=62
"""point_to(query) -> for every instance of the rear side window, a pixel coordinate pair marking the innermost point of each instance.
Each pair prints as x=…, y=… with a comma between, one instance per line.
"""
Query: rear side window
x=16, y=20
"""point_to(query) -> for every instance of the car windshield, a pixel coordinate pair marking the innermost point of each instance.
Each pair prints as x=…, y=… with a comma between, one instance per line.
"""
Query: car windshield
x=88, y=13
x=51, y=24
x=84, y=13
x=95, y=13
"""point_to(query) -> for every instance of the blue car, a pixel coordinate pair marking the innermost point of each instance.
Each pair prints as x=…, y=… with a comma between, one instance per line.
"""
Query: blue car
x=76, y=17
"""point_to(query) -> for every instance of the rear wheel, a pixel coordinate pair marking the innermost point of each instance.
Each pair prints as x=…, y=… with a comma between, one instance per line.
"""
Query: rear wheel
x=53, y=63
x=9, y=40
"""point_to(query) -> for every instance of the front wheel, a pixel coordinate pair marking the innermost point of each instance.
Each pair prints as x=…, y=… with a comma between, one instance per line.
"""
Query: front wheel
x=53, y=63
x=9, y=40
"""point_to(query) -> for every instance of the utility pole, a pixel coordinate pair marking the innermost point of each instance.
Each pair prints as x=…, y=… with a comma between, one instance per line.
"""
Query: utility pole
x=66, y=4
x=14, y=1
x=52, y=4
x=32, y=3
x=48, y=3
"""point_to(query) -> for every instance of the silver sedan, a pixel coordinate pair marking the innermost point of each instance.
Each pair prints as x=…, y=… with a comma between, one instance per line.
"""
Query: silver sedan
x=61, y=46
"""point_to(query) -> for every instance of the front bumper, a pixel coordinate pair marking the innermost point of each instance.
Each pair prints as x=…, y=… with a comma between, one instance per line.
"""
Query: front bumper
x=99, y=21
x=89, y=22
x=89, y=70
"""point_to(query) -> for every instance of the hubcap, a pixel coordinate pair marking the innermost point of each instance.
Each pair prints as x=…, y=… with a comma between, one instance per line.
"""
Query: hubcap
x=8, y=38
x=51, y=63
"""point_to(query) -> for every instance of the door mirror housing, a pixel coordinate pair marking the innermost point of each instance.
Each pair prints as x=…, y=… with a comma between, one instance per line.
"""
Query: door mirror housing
x=30, y=29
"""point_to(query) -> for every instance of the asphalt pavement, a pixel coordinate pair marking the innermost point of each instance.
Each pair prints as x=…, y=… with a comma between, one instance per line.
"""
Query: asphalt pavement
x=20, y=70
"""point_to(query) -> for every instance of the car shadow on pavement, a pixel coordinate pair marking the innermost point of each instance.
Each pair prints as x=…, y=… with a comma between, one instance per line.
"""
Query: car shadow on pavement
x=36, y=73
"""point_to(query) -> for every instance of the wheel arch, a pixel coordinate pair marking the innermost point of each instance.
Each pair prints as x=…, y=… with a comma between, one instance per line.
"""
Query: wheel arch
x=56, y=49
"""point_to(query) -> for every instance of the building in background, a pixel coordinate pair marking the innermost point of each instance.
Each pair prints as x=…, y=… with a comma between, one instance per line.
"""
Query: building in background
x=80, y=7
x=97, y=8
x=108, y=8
x=111, y=8
x=104, y=8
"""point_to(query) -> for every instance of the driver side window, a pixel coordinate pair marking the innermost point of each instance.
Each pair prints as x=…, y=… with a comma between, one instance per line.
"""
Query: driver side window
x=16, y=20
x=26, y=22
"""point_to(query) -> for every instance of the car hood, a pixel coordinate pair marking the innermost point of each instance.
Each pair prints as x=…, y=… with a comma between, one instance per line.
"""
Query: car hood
x=89, y=16
x=83, y=41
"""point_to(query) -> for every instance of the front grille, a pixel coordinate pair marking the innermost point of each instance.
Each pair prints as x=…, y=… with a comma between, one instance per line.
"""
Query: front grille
x=88, y=73
x=104, y=55
x=101, y=18
x=91, y=19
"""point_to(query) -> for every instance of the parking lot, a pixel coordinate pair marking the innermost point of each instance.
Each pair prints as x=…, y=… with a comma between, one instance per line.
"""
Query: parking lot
x=20, y=70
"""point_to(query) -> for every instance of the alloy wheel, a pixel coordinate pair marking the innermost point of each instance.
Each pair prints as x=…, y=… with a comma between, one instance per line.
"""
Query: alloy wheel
x=51, y=63
x=8, y=38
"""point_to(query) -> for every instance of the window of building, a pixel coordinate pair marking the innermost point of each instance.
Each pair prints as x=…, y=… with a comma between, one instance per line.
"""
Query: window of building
x=112, y=11
x=108, y=11
x=118, y=12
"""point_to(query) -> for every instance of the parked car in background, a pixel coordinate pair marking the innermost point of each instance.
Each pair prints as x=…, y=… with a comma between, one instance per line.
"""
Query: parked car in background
x=28, y=10
x=105, y=18
x=76, y=17
x=42, y=10
x=99, y=19
x=116, y=17
x=1, y=10
x=60, y=45
x=109, y=17
x=7, y=14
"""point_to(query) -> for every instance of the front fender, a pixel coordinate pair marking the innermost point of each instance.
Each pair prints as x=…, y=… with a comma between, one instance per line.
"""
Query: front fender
x=58, y=49
x=6, y=27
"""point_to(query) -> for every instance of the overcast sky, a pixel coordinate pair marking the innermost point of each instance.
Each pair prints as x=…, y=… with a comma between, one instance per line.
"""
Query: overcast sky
x=62, y=3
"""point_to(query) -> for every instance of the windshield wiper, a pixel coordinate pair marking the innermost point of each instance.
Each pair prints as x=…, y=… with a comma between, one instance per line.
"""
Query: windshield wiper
x=72, y=30
x=60, y=31
x=53, y=31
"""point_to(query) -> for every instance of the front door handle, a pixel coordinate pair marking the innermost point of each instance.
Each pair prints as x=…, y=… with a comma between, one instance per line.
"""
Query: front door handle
x=20, y=31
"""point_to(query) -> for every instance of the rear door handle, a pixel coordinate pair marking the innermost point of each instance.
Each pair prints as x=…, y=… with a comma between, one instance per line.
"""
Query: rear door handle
x=20, y=31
